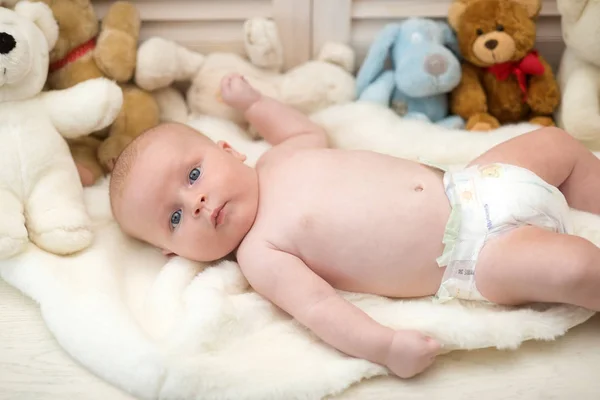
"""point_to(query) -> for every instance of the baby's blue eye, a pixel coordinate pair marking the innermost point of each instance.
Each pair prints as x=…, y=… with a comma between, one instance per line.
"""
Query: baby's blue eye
x=194, y=175
x=175, y=218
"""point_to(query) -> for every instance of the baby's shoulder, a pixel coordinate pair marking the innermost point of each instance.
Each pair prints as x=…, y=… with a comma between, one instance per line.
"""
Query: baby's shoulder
x=265, y=237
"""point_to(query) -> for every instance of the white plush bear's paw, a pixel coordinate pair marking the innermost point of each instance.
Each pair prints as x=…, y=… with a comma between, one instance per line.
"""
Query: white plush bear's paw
x=11, y=245
x=262, y=43
x=93, y=104
x=109, y=97
x=66, y=232
x=338, y=54
x=13, y=234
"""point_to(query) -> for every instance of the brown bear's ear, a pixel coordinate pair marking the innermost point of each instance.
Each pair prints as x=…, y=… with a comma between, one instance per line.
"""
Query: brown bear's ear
x=533, y=7
x=455, y=12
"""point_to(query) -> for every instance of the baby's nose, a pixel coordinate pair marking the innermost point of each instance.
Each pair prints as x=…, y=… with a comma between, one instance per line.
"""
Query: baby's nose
x=199, y=205
x=436, y=64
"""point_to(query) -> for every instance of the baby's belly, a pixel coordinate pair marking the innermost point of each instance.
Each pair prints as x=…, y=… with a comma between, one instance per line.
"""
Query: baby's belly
x=390, y=253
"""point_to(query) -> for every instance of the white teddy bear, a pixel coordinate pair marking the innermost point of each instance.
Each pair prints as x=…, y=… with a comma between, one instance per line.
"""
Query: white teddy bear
x=579, y=72
x=309, y=87
x=41, y=197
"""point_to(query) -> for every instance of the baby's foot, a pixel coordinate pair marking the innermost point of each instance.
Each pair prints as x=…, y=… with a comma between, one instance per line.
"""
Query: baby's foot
x=237, y=92
x=411, y=353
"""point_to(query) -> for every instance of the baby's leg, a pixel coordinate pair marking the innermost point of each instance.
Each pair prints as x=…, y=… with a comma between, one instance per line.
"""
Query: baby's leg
x=276, y=122
x=559, y=159
x=530, y=264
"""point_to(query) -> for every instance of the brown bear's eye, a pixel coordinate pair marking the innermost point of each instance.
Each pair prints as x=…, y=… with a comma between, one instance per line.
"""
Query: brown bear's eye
x=500, y=28
x=479, y=31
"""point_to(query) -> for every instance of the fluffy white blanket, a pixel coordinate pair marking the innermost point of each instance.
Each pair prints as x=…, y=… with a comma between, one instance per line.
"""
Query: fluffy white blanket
x=168, y=329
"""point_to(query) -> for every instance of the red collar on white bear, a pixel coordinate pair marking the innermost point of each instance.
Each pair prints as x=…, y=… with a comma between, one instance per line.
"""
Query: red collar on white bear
x=74, y=55
x=528, y=65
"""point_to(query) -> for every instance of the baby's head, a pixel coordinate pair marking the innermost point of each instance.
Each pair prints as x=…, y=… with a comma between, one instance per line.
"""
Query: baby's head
x=179, y=191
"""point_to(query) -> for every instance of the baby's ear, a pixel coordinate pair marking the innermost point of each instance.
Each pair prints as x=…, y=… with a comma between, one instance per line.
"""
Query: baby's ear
x=227, y=147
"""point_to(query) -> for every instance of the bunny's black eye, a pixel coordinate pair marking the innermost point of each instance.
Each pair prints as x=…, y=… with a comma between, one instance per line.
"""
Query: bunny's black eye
x=479, y=31
x=500, y=28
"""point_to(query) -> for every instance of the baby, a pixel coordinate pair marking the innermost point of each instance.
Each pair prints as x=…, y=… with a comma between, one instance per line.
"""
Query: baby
x=308, y=220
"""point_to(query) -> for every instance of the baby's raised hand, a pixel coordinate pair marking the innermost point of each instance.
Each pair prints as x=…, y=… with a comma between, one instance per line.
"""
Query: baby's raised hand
x=411, y=353
x=237, y=92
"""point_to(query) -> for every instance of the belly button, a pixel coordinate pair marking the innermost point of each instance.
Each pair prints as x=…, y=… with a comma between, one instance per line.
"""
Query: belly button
x=418, y=188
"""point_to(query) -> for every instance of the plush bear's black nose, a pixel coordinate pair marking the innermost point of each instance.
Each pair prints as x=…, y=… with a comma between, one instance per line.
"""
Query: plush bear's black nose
x=491, y=44
x=7, y=43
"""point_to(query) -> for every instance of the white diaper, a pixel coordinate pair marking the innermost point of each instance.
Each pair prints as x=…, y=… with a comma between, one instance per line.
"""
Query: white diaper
x=487, y=201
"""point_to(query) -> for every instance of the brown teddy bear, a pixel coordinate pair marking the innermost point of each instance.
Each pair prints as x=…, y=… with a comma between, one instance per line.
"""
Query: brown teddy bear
x=86, y=50
x=504, y=80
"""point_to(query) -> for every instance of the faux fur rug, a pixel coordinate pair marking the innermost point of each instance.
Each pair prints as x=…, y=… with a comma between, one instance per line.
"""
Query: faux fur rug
x=173, y=329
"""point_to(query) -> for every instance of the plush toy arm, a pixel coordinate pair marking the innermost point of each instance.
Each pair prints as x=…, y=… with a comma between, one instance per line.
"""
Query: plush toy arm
x=571, y=9
x=543, y=94
x=84, y=108
x=468, y=98
x=580, y=110
x=378, y=52
x=161, y=62
x=171, y=104
x=381, y=90
x=115, y=52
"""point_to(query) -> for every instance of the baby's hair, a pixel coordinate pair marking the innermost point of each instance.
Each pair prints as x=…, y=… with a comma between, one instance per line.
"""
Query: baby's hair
x=123, y=165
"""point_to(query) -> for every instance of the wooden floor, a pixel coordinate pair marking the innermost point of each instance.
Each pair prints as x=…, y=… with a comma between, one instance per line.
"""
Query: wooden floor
x=33, y=367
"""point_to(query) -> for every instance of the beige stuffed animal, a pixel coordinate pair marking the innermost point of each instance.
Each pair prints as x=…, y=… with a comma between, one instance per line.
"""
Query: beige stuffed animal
x=579, y=72
x=309, y=87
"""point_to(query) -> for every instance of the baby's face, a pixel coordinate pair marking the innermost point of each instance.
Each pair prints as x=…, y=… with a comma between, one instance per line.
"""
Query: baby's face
x=189, y=196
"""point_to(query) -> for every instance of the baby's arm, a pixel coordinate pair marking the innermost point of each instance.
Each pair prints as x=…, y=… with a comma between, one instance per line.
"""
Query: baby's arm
x=290, y=284
x=276, y=122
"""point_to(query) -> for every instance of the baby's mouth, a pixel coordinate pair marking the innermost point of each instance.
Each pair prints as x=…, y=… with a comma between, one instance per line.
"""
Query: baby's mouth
x=217, y=215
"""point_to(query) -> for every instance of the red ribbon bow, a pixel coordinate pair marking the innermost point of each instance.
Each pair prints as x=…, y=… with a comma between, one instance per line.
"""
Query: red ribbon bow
x=528, y=65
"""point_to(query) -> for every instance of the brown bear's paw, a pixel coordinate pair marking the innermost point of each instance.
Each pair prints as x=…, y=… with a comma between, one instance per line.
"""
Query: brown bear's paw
x=110, y=149
x=86, y=176
x=84, y=151
x=116, y=54
x=543, y=121
x=542, y=98
x=482, y=122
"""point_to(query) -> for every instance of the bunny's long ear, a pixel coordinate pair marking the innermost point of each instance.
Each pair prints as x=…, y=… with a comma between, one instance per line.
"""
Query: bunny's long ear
x=373, y=64
x=450, y=40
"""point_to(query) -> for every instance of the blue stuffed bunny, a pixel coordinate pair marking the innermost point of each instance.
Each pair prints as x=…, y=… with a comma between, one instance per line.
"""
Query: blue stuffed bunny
x=424, y=70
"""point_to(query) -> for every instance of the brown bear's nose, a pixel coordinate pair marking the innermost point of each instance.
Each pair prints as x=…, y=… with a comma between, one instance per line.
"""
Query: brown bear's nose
x=491, y=44
x=7, y=43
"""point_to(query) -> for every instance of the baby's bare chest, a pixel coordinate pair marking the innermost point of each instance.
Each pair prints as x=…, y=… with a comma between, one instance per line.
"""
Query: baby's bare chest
x=340, y=212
